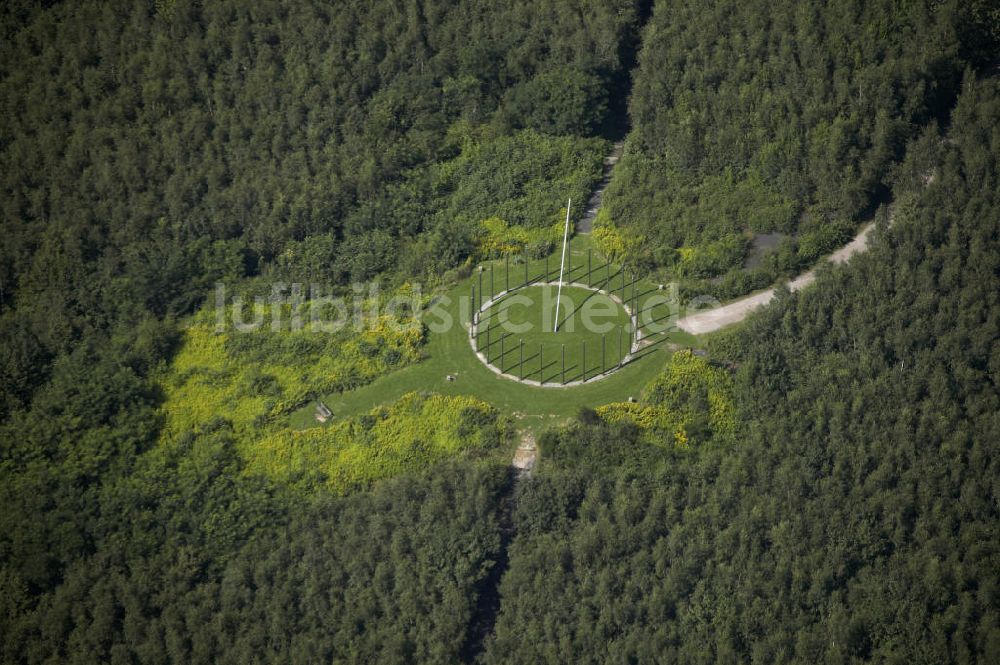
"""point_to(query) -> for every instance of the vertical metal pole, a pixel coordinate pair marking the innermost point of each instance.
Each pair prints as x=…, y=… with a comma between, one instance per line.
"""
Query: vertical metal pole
x=487, y=343
x=620, y=356
x=562, y=263
x=480, y=287
x=635, y=308
x=472, y=307
x=492, y=290
x=520, y=367
x=632, y=277
x=506, y=275
x=525, y=269
x=635, y=323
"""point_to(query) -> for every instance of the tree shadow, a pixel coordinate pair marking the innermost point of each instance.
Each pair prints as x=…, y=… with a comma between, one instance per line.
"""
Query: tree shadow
x=541, y=371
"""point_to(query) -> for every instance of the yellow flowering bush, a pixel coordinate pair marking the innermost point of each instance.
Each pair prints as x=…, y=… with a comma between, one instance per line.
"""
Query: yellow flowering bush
x=253, y=378
x=414, y=431
x=687, y=402
x=611, y=242
x=501, y=239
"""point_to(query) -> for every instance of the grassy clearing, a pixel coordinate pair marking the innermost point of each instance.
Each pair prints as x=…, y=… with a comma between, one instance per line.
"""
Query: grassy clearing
x=386, y=383
x=449, y=352
x=253, y=380
x=409, y=433
x=517, y=336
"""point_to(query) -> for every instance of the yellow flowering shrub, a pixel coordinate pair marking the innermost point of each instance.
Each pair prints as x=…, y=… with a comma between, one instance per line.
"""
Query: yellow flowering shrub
x=414, y=431
x=501, y=239
x=252, y=378
x=689, y=398
x=646, y=416
x=611, y=242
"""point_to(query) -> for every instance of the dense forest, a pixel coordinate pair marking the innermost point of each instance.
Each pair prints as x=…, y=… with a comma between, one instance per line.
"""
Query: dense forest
x=857, y=517
x=822, y=487
x=150, y=149
x=166, y=148
x=777, y=118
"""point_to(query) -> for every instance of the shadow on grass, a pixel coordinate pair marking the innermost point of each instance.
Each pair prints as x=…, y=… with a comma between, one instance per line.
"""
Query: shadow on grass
x=541, y=371
x=603, y=285
x=647, y=292
x=651, y=348
x=657, y=320
x=557, y=377
x=577, y=308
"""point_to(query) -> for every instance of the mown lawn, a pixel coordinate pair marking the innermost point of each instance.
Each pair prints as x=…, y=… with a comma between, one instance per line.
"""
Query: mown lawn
x=449, y=352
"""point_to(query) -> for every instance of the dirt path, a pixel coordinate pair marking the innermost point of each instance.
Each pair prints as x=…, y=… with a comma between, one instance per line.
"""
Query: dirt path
x=488, y=599
x=715, y=319
x=594, y=204
x=526, y=455
x=720, y=317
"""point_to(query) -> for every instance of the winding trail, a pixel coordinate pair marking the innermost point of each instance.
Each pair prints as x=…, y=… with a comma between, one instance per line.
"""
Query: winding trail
x=525, y=458
x=711, y=320
x=488, y=598
x=715, y=319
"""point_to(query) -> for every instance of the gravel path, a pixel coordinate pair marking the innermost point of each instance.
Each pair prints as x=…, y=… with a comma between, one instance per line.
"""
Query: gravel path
x=594, y=204
x=720, y=317
x=715, y=319
x=525, y=455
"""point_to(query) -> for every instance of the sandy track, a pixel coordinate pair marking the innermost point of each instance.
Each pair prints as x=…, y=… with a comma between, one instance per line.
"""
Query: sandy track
x=586, y=222
x=715, y=319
